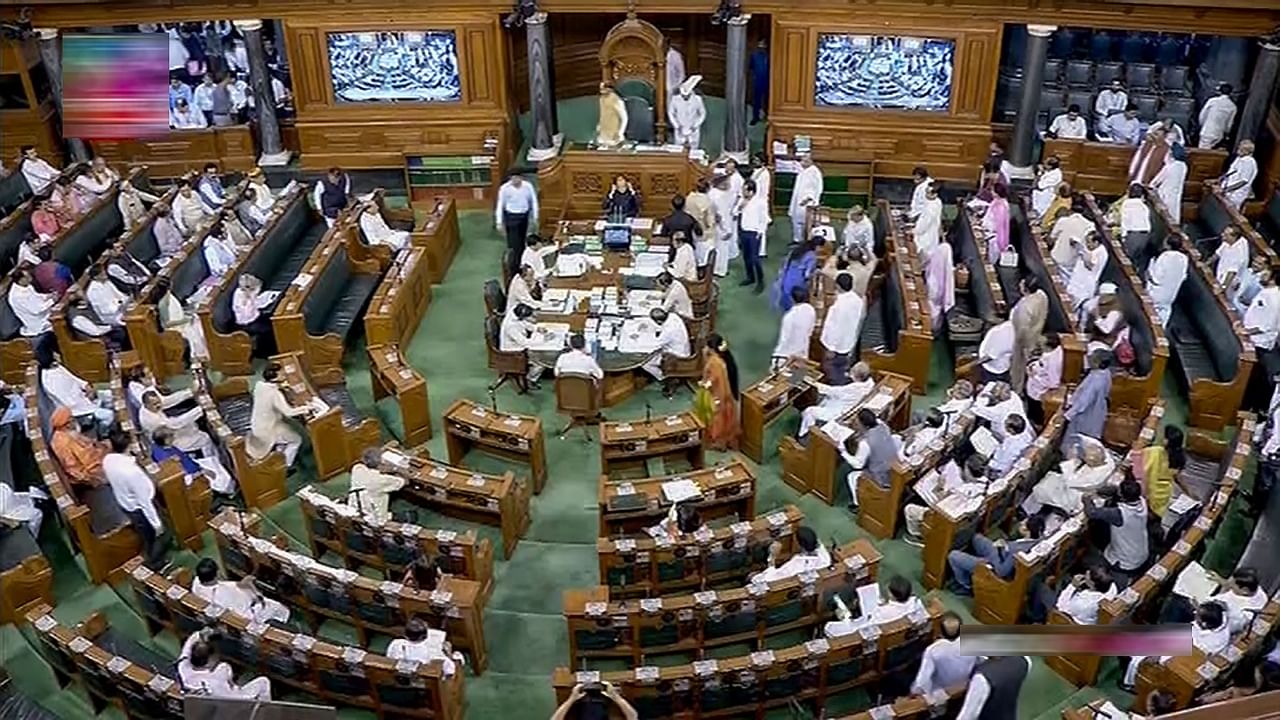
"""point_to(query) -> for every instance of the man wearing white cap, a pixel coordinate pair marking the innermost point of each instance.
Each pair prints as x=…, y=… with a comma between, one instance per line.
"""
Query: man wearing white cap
x=687, y=112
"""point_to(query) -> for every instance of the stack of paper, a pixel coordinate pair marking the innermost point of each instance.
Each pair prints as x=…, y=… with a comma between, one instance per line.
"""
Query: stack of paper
x=549, y=337
x=878, y=402
x=837, y=432
x=1182, y=504
x=680, y=490
x=1195, y=583
x=638, y=336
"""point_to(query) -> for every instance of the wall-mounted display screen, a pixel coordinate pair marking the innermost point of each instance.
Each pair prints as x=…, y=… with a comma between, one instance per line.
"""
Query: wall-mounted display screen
x=884, y=72
x=395, y=66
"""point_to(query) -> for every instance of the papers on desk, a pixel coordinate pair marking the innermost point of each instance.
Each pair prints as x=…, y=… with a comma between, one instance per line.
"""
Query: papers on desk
x=837, y=432
x=1194, y=583
x=959, y=504
x=395, y=459
x=878, y=402
x=641, y=223
x=1182, y=504
x=267, y=298
x=555, y=301
x=649, y=264
x=983, y=442
x=574, y=265
x=303, y=279
x=549, y=337
x=640, y=302
x=676, y=491
x=868, y=598
x=638, y=336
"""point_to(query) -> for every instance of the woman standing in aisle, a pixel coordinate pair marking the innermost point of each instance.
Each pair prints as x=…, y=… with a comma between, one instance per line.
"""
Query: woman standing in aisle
x=716, y=402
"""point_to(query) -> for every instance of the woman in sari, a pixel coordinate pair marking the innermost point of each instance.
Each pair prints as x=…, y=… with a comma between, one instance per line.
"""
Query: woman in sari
x=1160, y=466
x=1060, y=206
x=940, y=279
x=992, y=177
x=796, y=271
x=996, y=222
x=716, y=402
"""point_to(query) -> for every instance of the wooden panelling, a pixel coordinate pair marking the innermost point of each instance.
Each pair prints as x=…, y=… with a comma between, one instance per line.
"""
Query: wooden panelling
x=1103, y=168
x=178, y=152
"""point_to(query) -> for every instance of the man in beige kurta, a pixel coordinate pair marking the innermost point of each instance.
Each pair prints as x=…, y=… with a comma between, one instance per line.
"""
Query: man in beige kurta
x=612, y=127
x=1028, y=316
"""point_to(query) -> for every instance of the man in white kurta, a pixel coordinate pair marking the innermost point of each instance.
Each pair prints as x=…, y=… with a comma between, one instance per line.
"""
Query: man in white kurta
x=1231, y=258
x=1091, y=259
x=858, y=231
x=1169, y=183
x=684, y=266
x=377, y=232
x=30, y=306
x=995, y=352
x=687, y=112
x=724, y=204
x=422, y=644
x=673, y=339
x=1262, y=318
x=370, y=491
x=1165, y=276
x=806, y=193
x=1237, y=183
x=1110, y=101
x=795, y=332
x=186, y=435
x=1070, y=125
x=927, y=232
x=576, y=360
x=200, y=675
x=920, y=176
x=69, y=390
x=109, y=304
x=836, y=400
x=1065, y=488
x=38, y=173
x=1216, y=118
x=764, y=184
x=1073, y=226
x=1046, y=187
x=240, y=597
x=269, y=422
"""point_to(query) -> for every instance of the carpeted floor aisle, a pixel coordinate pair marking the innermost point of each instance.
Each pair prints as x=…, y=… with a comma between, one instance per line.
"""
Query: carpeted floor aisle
x=525, y=631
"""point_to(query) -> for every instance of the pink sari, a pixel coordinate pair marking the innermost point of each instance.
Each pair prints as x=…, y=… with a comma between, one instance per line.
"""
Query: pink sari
x=940, y=279
x=997, y=221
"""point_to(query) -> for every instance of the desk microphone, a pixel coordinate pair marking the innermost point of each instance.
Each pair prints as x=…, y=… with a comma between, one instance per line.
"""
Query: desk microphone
x=648, y=412
x=493, y=400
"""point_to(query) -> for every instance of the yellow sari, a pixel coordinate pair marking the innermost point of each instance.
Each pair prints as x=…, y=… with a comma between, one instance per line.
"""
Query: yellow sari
x=1158, y=478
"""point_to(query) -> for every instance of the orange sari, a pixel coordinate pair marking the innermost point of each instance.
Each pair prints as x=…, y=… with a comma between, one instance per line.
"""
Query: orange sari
x=721, y=413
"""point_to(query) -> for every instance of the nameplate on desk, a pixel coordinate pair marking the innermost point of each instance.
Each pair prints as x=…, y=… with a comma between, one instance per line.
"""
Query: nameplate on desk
x=762, y=659
x=764, y=388
x=160, y=684
x=624, y=489
x=702, y=668
x=1182, y=547
x=1203, y=522
x=723, y=473
x=704, y=598
x=1158, y=573
x=476, y=481
x=446, y=536
x=647, y=674
x=651, y=605
x=439, y=473
x=740, y=528
x=624, y=545
x=303, y=642
x=625, y=427
x=817, y=647
x=674, y=420
x=595, y=609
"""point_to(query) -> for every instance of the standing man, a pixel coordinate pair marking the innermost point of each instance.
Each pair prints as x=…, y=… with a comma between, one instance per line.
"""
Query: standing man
x=1111, y=101
x=806, y=193
x=1028, y=316
x=135, y=493
x=840, y=331
x=764, y=186
x=1216, y=118
x=758, y=68
x=517, y=208
x=994, y=689
x=1237, y=184
x=675, y=70
x=753, y=225
x=330, y=194
x=687, y=112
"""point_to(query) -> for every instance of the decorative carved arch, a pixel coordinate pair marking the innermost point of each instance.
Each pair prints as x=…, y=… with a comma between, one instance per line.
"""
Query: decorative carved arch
x=635, y=49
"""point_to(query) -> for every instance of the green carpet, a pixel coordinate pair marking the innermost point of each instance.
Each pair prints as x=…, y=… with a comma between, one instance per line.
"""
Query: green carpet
x=525, y=631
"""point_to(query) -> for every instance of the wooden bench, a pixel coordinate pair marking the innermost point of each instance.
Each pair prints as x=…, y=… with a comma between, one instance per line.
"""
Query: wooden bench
x=469, y=426
x=992, y=291
x=16, y=206
x=26, y=580
x=98, y=529
x=627, y=447
x=1103, y=167
x=391, y=375
x=324, y=592
x=341, y=433
x=1261, y=706
x=501, y=500
x=1215, y=214
x=768, y=399
x=186, y=504
x=658, y=565
x=432, y=226
x=1215, y=354
x=275, y=259
x=114, y=671
x=627, y=507
x=1001, y=602
x=1034, y=259
x=897, y=332
x=602, y=627
x=944, y=532
x=397, y=306
x=749, y=686
x=339, y=674
x=177, y=152
x=393, y=547
x=945, y=702
x=812, y=467
x=227, y=409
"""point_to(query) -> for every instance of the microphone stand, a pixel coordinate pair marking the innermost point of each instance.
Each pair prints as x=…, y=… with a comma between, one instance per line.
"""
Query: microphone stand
x=493, y=400
x=648, y=412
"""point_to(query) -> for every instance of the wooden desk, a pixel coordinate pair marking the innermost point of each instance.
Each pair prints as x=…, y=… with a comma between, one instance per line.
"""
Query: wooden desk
x=337, y=438
x=1103, y=168
x=659, y=565
x=372, y=606
x=628, y=507
x=573, y=184
x=471, y=426
x=437, y=232
x=393, y=547
x=767, y=400
x=392, y=375
x=915, y=337
x=600, y=627
x=178, y=152
x=397, y=306
x=812, y=467
x=298, y=661
x=626, y=445
x=501, y=500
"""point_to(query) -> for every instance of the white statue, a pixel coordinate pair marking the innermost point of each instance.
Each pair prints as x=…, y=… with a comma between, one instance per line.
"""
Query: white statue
x=612, y=127
x=687, y=112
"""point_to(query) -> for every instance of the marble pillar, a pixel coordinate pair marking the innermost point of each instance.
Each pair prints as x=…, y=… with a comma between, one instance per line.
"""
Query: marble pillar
x=51, y=54
x=735, y=89
x=545, y=142
x=1261, y=88
x=1024, y=126
x=264, y=100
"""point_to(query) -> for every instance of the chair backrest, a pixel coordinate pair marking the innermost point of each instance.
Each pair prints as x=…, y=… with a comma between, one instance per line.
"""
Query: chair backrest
x=13, y=228
x=1079, y=73
x=1107, y=72
x=10, y=326
x=1140, y=76
x=636, y=88
x=142, y=245
x=93, y=233
x=1212, y=324
x=1083, y=98
x=640, y=121
x=1053, y=71
x=495, y=298
x=1148, y=106
x=1050, y=98
x=577, y=395
x=1175, y=78
x=186, y=278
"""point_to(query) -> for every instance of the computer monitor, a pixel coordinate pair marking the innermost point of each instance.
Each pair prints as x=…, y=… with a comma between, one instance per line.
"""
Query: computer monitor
x=617, y=236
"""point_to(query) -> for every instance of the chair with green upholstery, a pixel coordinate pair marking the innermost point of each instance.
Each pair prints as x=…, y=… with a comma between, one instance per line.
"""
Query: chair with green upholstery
x=637, y=88
x=640, y=120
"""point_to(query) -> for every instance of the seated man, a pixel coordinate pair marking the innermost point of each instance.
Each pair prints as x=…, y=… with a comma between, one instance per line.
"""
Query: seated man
x=1128, y=550
x=242, y=598
x=199, y=673
x=959, y=398
x=576, y=359
x=18, y=509
x=188, y=210
x=917, y=438
x=269, y=422
x=1079, y=600
x=79, y=455
x=516, y=333
x=684, y=264
x=378, y=232
x=870, y=449
x=1241, y=595
x=535, y=256
x=999, y=554
x=370, y=491
x=858, y=232
x=67, y=389
x=85, y=324
x=935, y=487
x=836, y=400
x=1015, y=438
x=183, y=429
x=127, y=272
x=810, y=556
x=942, y=665
x=251, y=306
x=520, y=289
x=1079, y=472
x=32, y=308
x=901, y=603
x=254, y=217
x=996, y=402
x=590, y=702
x=137, y=383
x=673, y=339
x=675, y=297
x=681, y=522
x=108, y=303
x=424, y=644
x=1209, y=635
x=163, y=448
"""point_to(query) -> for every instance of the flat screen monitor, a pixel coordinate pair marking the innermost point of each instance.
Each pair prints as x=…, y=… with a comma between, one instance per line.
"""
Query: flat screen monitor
x=395, y=66
x=884, y=72
x=617, y=236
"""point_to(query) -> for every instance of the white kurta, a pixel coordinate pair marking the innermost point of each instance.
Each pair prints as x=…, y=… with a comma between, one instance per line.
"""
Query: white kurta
x=241, y=601
x=1065, y=488
x=919, y=195
x=1083, y=284
x=175, y=317
x=370, y=492
x=1262, y=319
x=684, y=267
x=723, y=203
x=1046, y=190
x=108, y=303
x=1135, y=216
x=39, y=174
x=1164, y=279
x=687, y=115
x=1232, y=258
x=764, y=182
x=186, y=435
x=1242, y=172
x=673, y=339
x=67, y=389
x=836, y=400
x=32, y=309
x=378, y=232
x=429, y=649
x=795, y=332
x=860, y=234
x=997, y=348
x=807, y=192
x=1216, y=117
x=269, y=424
x=1168, y=184
x=928, y=229
x=795, y=565
x=263, y=196
x=843, y=323
x=1067, y=129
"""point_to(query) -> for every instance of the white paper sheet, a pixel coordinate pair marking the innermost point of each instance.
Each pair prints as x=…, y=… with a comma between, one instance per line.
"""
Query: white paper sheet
x=1194, y=583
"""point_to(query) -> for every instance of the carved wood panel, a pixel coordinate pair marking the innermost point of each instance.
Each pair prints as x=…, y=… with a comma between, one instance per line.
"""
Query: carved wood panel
x=792, y=79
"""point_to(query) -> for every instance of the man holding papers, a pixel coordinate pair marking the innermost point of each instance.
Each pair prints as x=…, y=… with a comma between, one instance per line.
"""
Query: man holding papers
x=810, y=556
x=1209, y=635
x=1241, y=595
x=902, y=603
x=873, y=452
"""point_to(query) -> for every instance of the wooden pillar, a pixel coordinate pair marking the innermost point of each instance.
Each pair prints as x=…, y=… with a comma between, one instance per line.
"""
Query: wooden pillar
x=51, y=54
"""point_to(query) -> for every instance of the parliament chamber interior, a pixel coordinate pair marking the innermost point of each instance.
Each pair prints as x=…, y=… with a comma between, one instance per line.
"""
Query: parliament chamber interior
x=639, y=359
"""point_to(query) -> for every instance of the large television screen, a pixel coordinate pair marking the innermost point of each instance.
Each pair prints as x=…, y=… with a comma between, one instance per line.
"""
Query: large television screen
x=884, y=72
x=395, y=66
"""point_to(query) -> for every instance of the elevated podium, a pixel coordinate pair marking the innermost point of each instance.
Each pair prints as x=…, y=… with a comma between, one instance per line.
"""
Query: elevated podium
x=573, y=185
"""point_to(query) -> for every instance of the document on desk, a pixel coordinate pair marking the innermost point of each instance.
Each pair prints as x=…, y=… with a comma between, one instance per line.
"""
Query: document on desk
x=878, y=402
x=868, y=598
x=549, y=337
x=837, y=432
x=1183, y=503
x=638, y=336
x=676, y=491
x=649, y=264
x=1195, y=583
x=640, y=302
x=983, y=442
